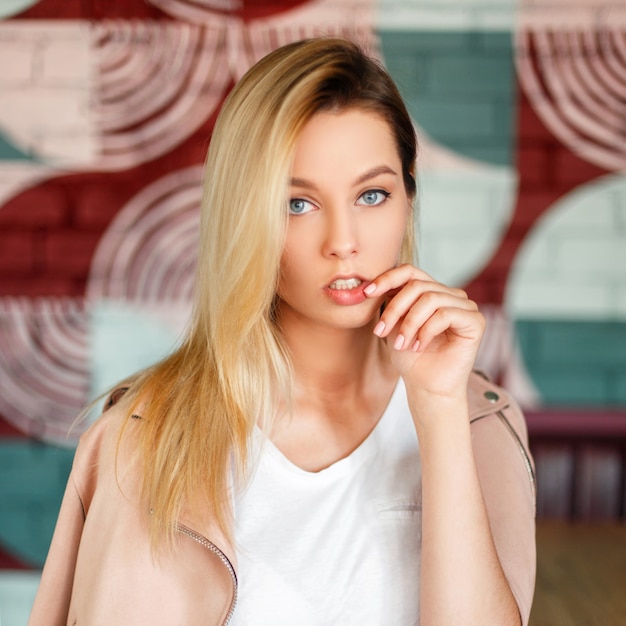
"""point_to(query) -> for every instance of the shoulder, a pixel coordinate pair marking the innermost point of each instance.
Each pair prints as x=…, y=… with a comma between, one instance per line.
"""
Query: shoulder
x=485, y=397
x=507, y=478
x=107, y=444
x=115, y=412
x=498, y=424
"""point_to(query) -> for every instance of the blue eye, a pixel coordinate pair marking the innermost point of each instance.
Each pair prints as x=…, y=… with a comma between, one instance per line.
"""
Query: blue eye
x=298, y=206
x=373, y=197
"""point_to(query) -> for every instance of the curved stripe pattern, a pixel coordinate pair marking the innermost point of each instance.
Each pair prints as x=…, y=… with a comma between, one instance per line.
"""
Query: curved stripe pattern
x=574, y=74
x=148, y=253
x=247, y=41
x=44, y=361
x=156, y=83
x=196, y=11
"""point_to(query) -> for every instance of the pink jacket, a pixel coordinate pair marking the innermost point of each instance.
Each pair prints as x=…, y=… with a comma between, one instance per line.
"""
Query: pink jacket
x=100, y=569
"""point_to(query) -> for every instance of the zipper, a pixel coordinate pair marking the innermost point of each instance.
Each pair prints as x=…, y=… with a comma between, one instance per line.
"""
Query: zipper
x=520, y=446
x=525, y=457
x=203, y=541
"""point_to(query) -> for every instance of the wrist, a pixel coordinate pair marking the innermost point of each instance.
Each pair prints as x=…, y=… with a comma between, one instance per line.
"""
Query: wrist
x=436, y=411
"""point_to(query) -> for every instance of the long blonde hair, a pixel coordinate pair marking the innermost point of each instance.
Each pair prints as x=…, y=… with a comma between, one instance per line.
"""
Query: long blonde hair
x=201, y=403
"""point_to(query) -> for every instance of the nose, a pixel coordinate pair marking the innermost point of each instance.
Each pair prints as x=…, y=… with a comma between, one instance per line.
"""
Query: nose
x=341, y=234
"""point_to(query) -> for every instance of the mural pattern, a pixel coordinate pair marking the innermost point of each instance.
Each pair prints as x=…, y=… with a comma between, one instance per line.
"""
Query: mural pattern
x=106, y=109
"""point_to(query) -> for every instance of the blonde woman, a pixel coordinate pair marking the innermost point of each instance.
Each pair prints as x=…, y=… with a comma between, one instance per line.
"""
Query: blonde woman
x=319, y=450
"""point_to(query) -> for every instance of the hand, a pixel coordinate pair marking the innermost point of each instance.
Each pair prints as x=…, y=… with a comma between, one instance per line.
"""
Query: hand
x=433, y=331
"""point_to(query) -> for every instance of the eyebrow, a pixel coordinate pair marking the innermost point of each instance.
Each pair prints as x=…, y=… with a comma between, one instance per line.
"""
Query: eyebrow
x=373, y=173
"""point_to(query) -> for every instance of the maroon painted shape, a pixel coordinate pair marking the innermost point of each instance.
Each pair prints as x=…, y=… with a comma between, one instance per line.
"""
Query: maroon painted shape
x=56, y=225
x=8, y=561
x=141, y=9
x=8, y=431
x=255, y=9
x=547, y=170
x=567, y=424
x=91, y=10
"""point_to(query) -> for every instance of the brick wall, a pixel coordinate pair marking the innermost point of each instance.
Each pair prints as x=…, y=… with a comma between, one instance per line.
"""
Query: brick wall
x=531, y=219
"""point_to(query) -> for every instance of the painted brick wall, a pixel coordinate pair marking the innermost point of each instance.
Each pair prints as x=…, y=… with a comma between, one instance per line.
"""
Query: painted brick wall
x=533, y=225
x=460, y=88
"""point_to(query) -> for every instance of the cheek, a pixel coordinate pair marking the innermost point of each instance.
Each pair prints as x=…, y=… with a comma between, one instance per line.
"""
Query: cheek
x=299, y=251
x=291, y=269
x=389, y=237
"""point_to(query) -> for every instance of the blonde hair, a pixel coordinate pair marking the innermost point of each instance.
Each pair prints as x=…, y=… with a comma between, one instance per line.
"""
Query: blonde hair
x=201, y=404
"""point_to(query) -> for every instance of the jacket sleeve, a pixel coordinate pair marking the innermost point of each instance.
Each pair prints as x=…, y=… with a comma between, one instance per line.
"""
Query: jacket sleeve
x=506, y=472
x=53, y=597
x=55, y=589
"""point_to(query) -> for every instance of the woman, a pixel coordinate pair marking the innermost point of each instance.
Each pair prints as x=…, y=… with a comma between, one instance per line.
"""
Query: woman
x=318, y=451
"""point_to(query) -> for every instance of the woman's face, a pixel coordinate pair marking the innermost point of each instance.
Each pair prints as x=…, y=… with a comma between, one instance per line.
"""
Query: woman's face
x=348, y=213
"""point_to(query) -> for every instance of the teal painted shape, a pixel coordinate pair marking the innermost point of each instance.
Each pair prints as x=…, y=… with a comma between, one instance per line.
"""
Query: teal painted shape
x=459, y=88
x=8, y=8
x=620, y=387
x=576, y=363
x=125, y=338
x=17, y=593
x=8, y=152
x=456, y=121
x=34, y=476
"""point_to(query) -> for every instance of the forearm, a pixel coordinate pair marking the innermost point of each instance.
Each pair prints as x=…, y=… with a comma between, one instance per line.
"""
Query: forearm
x=462, y=581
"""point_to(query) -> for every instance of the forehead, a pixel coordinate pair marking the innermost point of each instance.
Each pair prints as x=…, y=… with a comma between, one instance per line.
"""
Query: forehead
x=344, y=140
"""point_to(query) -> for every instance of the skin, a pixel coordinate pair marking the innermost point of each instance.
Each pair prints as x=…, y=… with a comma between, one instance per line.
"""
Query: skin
x=349, y=211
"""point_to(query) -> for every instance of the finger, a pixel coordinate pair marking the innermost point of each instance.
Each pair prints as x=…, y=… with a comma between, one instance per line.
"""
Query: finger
x=416, y=301
x=459, y=323
x=408, y=326
x=394, y=278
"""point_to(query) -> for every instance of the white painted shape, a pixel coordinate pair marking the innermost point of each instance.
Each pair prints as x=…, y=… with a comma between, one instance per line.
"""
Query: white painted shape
x=469, y=204
x=16, y=176
x=17, y=593
x=8, y=8
x=446, y=15
x=67, y=62
x=462, y=218
x=49, y=116
x=71, y=148
x=586, y=276
x=41, y=109
x=126, y=337
x=542, y=264
x=555, y=299
x=594, y=256
x=578, y=14
x=51, y=124
x=17, y=65
x=620, y=302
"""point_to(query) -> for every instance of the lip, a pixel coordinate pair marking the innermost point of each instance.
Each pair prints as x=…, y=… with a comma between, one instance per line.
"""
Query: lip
x=347, y=297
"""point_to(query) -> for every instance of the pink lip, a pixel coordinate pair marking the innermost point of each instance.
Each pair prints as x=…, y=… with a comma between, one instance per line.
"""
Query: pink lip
x=347, y=297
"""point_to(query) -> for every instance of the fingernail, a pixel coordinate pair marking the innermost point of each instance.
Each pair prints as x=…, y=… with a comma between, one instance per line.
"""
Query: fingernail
x=379, y=328
x=370, y=289
x=416, y=346
x=399, y=342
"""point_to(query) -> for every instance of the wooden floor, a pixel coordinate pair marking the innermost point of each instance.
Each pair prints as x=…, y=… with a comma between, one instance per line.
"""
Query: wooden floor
x=581, y=575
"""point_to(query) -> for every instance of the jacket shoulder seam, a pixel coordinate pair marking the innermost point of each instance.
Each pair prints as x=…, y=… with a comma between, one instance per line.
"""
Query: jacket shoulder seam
x=521, y=448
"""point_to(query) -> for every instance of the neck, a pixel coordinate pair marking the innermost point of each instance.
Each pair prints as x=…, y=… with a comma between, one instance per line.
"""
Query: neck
x=343, y=380
x=332, y=361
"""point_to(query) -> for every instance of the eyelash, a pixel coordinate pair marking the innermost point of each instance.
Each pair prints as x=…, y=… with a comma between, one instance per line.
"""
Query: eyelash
x=382, y=192
x=294, y=200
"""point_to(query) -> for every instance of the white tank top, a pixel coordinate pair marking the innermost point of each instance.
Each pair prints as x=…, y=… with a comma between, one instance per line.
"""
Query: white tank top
x=337, y=547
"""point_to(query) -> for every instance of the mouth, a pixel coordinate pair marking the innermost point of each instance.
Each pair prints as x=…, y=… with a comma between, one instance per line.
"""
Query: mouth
x=344, y=284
